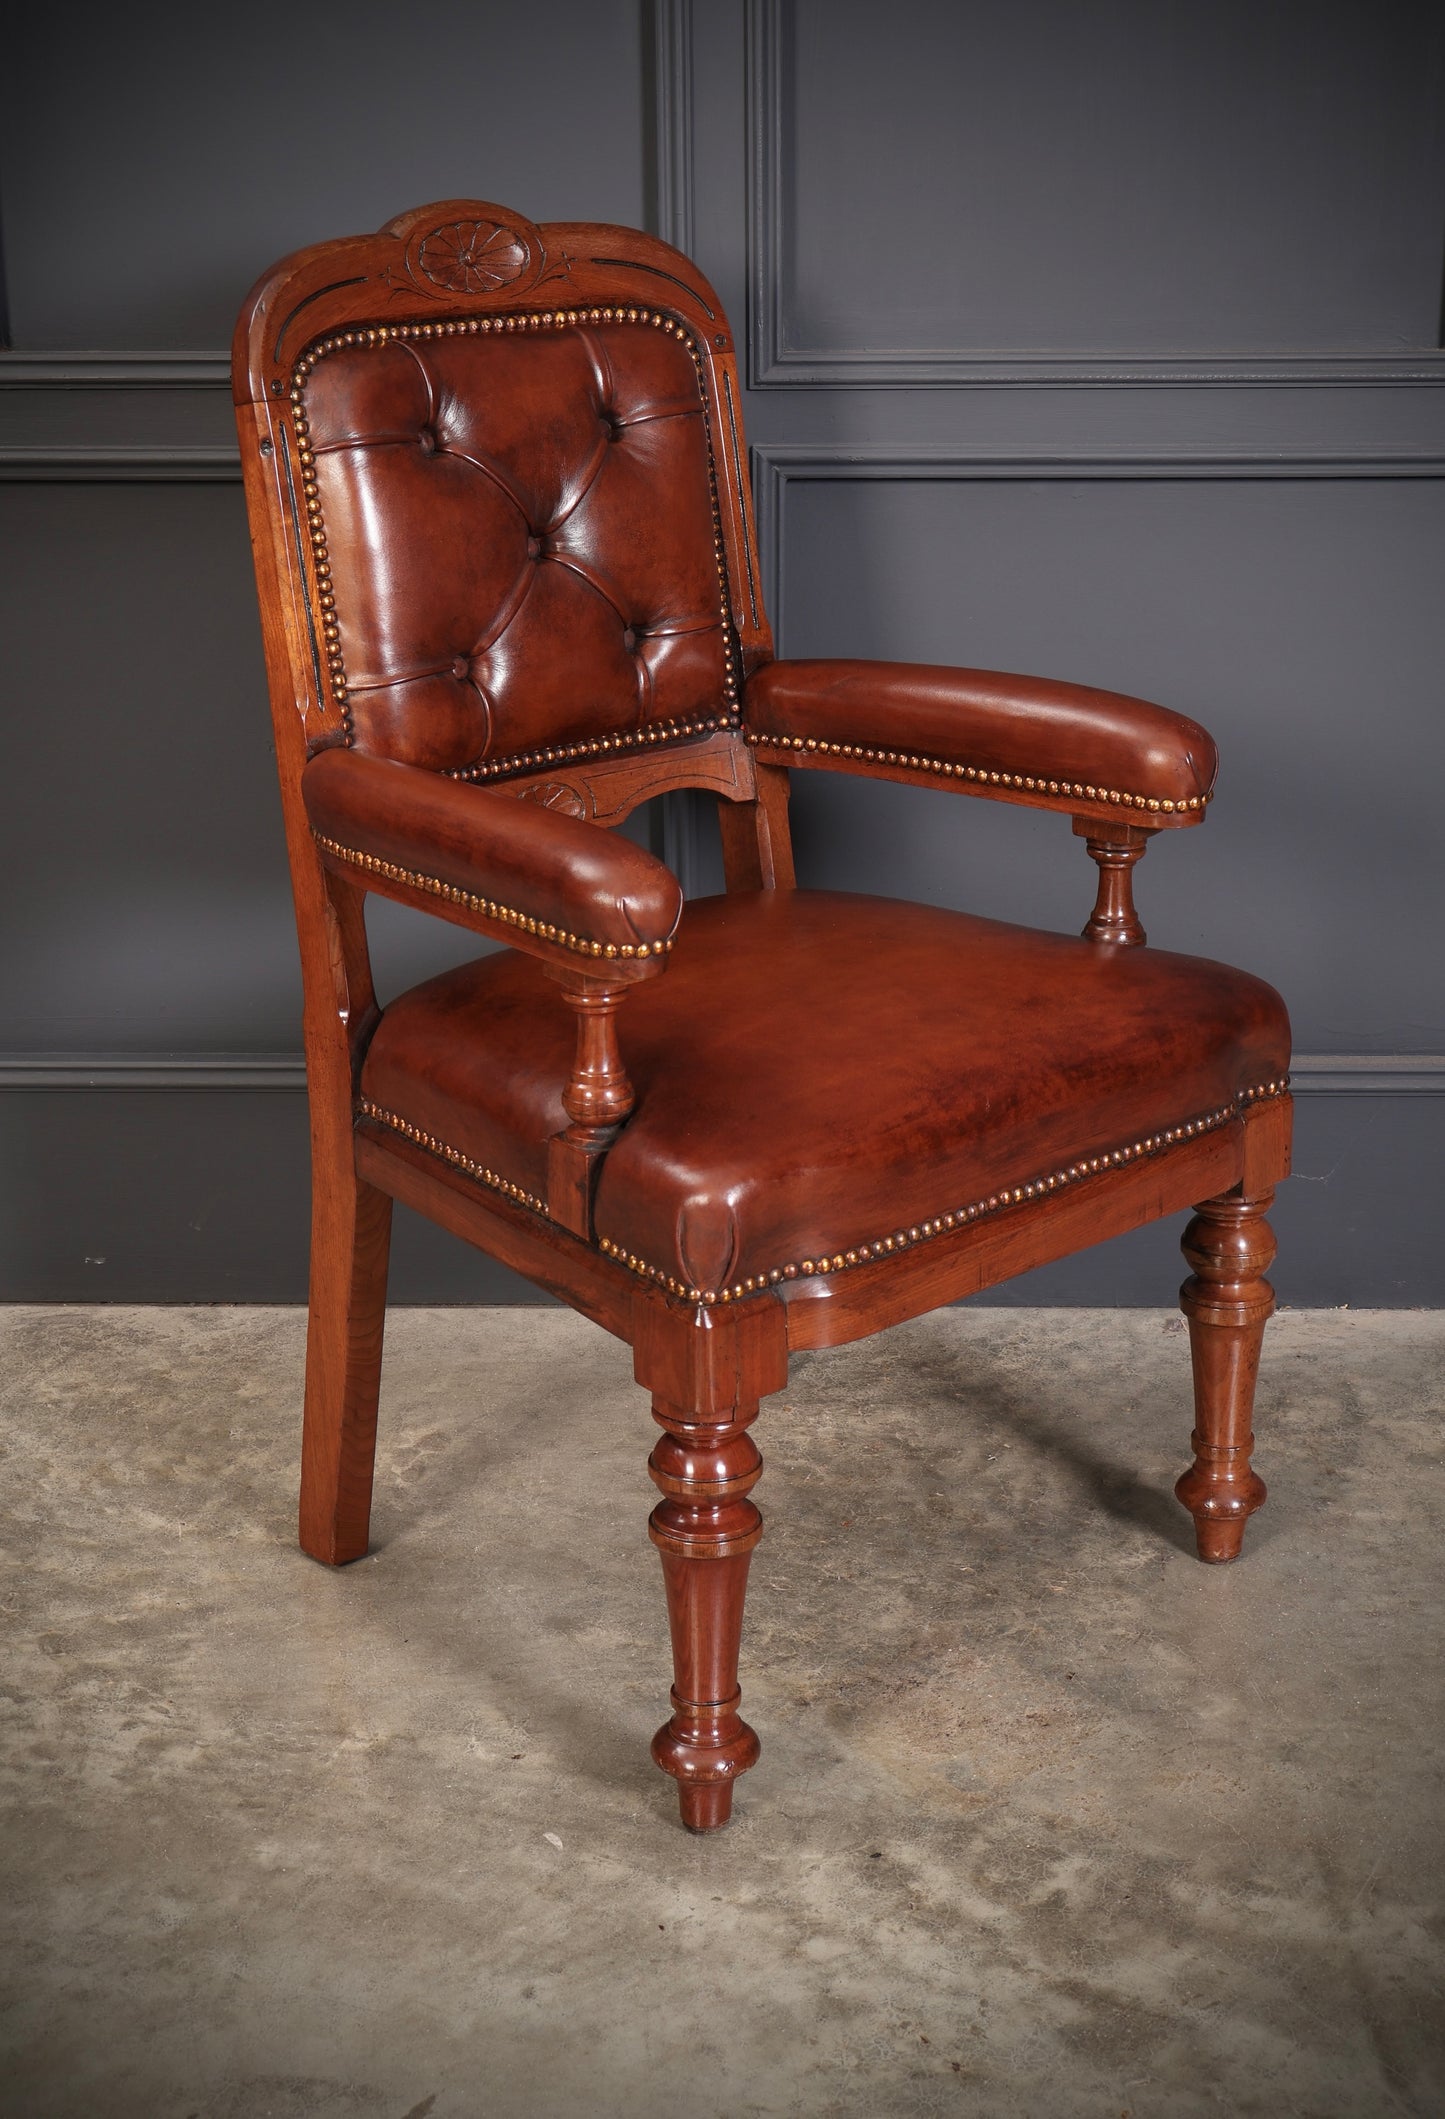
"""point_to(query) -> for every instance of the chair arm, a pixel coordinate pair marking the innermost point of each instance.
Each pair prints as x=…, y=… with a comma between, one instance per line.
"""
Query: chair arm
x=553, y=885
x=1017, y=739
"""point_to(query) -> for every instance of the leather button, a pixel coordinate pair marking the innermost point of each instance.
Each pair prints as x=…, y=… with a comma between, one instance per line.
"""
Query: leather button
x=461, y=667
x=611, y=425
x=534, y=547
x=629, y=639
x=428, y=442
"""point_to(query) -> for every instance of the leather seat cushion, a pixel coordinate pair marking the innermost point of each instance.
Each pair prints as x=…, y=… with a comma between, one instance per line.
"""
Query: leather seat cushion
x=816, y=1071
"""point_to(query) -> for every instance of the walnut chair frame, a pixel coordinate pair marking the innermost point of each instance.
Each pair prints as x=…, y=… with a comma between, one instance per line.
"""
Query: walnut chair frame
x=513, y=844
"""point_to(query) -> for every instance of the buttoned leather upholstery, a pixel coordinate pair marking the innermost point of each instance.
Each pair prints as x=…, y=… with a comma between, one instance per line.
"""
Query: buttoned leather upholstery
x=819, y=1071
x=521, y=534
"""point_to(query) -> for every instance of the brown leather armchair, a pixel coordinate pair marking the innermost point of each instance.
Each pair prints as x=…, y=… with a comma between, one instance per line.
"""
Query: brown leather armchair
x=510, y=591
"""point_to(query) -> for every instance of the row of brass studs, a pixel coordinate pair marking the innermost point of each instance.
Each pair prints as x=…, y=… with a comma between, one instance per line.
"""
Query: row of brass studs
x=1069, y=789
x=922, y=1232
x=378, y=335
x=320, y=558
x=593, y=747
x=454, y=1156
x=507, y=915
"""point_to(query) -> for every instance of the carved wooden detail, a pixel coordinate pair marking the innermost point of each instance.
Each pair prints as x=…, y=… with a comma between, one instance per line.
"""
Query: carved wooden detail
x=468, y=253
x=471, y=257
x=598, y=1099
x=556, y=794
x=1116, y=848
x=609, y=789
x=1228, y=1302
x=705, y=1528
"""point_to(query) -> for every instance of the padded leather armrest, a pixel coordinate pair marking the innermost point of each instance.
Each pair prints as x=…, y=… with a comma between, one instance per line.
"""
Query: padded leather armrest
x=1020, y=739
x=552, y=885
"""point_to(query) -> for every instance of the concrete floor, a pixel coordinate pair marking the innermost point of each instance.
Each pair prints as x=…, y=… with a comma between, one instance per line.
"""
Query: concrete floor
x=1051, y=1822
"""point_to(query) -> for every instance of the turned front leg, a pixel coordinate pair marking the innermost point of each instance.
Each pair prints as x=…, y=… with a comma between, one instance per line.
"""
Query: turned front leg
x=705, y=1528
x=1227, y=1301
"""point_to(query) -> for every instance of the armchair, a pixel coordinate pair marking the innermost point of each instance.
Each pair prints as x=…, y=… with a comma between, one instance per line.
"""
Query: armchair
x=509, y=591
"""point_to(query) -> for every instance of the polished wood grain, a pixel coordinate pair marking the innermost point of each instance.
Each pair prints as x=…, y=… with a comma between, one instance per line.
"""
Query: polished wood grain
x=608, y=790
x=705, y=1528
x=1227, y=1301
x=1116, y=849
x=757, y=845
x=597, y=1099
x=706, y=1381
x=350, y=1247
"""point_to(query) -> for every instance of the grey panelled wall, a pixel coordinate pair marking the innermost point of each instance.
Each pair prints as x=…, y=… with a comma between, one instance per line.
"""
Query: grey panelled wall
x=1104, y=342
x=1097, y=341
x=154, y=159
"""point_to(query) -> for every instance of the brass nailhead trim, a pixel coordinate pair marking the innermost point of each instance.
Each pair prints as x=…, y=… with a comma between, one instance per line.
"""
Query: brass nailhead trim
x=454, y=1156
x=1028, y=781
x=508, y=915
x=922, y=1232
x=592, y=747
x=374, y=336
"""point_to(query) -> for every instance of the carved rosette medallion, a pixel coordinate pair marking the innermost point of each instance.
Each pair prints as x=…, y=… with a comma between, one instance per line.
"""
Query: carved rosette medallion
x=471, y=257
x=470, y=254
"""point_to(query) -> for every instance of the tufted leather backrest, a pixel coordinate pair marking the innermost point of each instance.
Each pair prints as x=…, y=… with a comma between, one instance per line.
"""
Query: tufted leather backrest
x=515, y=531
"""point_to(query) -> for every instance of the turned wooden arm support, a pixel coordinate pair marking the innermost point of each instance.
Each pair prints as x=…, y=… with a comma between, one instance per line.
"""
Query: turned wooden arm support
x=1120, y=767
x=600, y=912
x=1099, y=755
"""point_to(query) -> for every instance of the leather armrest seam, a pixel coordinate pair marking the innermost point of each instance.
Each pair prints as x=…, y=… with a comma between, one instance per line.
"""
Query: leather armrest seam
x=983, y=776
x=490, y=908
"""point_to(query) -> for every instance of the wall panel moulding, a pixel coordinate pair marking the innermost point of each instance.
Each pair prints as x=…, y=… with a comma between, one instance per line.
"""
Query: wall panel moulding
x=61, y=463
x=1312, y=1074
x=786, y=350
x=776, y=466
x=114, y=371
x=107, y=1071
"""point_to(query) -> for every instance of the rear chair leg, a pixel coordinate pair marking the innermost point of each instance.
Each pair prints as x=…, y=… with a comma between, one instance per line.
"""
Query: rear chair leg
x=705, y=1528
x=1227, y=1301
x=350, y=1244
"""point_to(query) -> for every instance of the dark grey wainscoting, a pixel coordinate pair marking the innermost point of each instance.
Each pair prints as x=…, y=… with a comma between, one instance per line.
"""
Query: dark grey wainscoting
x=156, y=1179
x=949, y=464
x=187, y=1194
x=907, y=219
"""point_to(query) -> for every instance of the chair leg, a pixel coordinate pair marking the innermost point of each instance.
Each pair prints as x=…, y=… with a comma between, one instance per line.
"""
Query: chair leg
x=705, y=1528
x=1227, y=1301
x=350, y=1246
